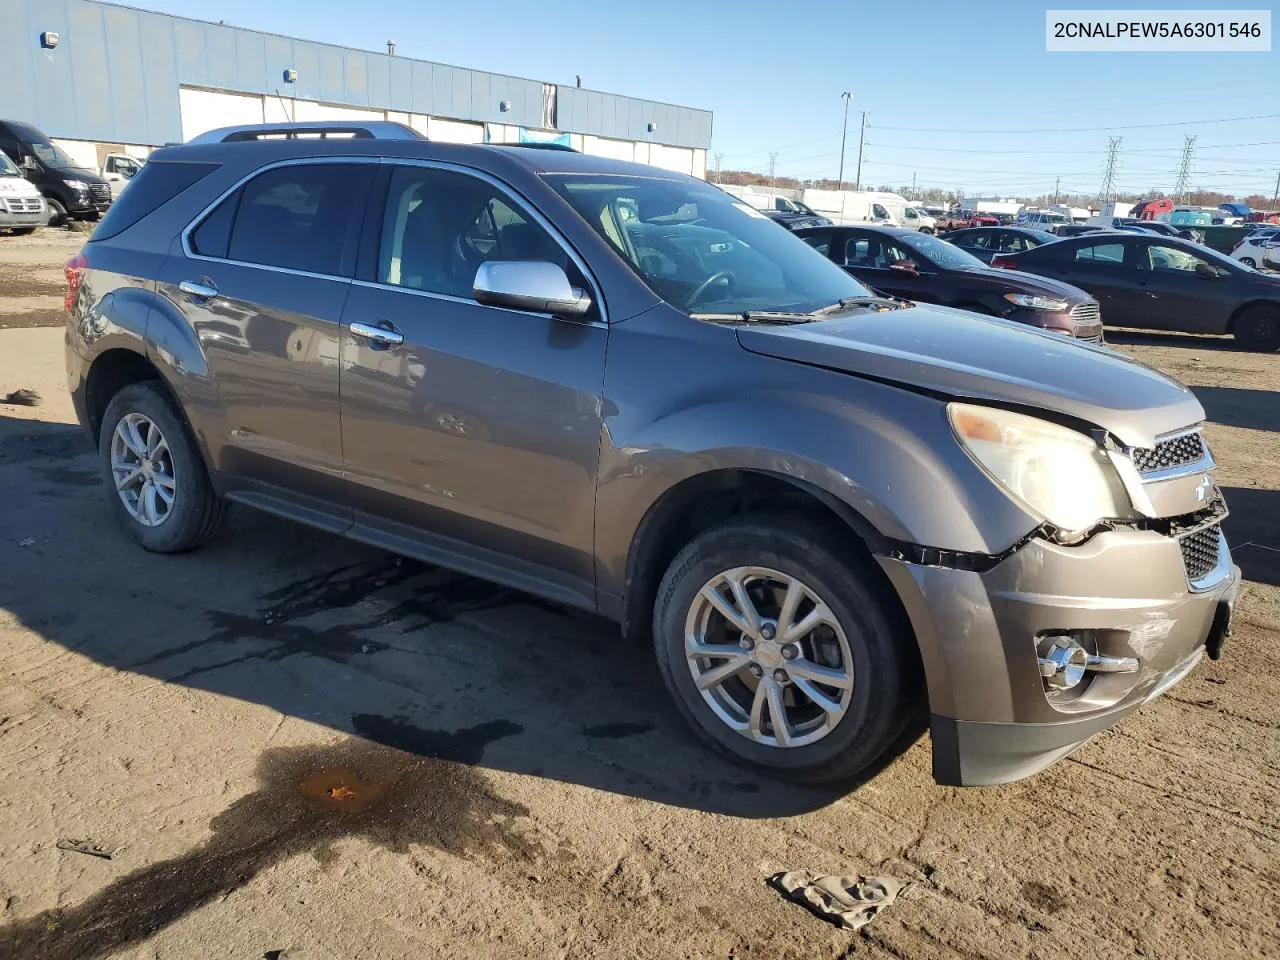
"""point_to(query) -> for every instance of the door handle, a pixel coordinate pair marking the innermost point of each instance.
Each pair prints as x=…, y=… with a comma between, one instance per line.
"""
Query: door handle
x=202, y=290
x=382, y=336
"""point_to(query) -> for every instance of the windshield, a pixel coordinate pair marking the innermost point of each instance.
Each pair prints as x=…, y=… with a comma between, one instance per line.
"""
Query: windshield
x=7, y=166
x=701, y=250
x=942, y=253
x=51, y=155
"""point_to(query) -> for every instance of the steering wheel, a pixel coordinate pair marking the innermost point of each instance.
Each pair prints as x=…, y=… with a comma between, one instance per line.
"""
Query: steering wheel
x=706, y=284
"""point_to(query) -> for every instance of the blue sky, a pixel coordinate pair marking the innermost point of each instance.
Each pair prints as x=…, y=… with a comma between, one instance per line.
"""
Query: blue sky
x=934, y=76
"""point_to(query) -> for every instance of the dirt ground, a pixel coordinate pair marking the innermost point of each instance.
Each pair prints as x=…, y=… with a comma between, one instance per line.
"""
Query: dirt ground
x=298, y=746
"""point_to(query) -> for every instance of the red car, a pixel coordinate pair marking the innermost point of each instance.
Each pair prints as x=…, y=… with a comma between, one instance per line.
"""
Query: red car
x=983, y=220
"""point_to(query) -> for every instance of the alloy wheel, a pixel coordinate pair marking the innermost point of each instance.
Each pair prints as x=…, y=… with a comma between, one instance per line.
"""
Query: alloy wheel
x=769, y=656
x=142, y=468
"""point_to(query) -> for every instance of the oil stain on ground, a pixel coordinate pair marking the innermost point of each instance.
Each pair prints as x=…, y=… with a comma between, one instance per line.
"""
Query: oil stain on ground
x=310, y=797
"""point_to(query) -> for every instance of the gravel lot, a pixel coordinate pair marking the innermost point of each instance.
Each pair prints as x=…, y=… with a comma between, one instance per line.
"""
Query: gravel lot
x=295, y=743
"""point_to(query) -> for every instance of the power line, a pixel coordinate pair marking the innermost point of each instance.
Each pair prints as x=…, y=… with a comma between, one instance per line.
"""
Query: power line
x=1124, y=126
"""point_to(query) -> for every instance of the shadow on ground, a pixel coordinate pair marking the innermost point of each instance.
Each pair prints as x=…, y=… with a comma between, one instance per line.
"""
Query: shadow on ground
x=1150, y=338
x=1241, y=407
x=320, y=628
x=1253, y=530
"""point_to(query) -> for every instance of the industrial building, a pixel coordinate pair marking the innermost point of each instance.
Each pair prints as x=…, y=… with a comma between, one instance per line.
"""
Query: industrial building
x=99, y=78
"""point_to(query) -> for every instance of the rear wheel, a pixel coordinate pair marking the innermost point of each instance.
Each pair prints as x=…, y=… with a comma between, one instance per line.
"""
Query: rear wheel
x=156, y=480
x=1258, y=328
x=1248, y=261
x=776, y=648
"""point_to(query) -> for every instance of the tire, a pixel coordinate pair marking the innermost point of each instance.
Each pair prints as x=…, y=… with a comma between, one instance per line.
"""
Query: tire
x=1248, y=262
x=23, y=231
x=928, y=231
x=1258, y=328
x=194, y=512
x=886, y=691
x=57, y=212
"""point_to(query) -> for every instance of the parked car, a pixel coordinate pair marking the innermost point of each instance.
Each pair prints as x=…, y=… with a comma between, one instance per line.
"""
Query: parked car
x=1043, y=219
x=1077, y=229
x=21, y=206
x=926, y=269
x=985, y=242
x=913, y=218
x=118, y=169
x=983, y=220
x=1250, y=249
x=647, y=401
x=69, y=190
x=1163, y=283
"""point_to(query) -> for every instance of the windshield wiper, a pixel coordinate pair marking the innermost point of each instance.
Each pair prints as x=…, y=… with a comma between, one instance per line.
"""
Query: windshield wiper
x=846, y=303
x=756, y=316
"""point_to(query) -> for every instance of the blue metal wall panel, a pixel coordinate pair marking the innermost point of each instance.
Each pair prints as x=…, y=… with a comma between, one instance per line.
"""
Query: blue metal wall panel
x=114, y=77
x=128, y=87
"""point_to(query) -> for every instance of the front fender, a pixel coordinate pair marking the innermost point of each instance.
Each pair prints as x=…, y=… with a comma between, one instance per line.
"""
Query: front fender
x=885, y=453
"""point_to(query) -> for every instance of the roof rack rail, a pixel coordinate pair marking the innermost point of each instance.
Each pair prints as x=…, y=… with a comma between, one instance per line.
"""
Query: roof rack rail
x=562, y=147
x=309, y=130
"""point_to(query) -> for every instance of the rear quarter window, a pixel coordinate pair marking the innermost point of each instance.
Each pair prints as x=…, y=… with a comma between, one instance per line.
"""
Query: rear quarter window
x=156, y=183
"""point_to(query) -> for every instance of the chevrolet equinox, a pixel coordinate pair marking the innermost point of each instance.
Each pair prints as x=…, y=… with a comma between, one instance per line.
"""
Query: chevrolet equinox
x=620, y=389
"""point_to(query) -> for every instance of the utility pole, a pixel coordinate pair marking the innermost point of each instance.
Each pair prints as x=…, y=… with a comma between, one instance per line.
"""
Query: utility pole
x=913, y=184
x=1276, y=196
x=773, y=160
x=1057, y=182
x=719, y=157
x=1109, y=174
x=1184, y=168
x=844, y=136
x=862, y=137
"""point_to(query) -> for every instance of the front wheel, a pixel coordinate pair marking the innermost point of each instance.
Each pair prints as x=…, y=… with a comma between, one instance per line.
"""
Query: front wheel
x=57, y=213
x=1258, y=328
x=1248, y=262
x=774, y=643
x=156, y=480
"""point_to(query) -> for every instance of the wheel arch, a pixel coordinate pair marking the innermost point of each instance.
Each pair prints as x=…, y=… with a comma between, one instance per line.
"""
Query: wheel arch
x=1245, y=307
x=705, y=499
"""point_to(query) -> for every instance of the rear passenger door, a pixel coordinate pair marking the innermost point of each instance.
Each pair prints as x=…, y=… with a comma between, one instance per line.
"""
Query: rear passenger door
x=471, y=432
x=261, y=280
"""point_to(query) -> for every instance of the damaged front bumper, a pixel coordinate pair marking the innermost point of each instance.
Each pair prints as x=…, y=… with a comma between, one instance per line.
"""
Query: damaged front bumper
x=1123, y=595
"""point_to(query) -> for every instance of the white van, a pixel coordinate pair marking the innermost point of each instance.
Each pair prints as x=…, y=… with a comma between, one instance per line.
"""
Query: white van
x=22, y=207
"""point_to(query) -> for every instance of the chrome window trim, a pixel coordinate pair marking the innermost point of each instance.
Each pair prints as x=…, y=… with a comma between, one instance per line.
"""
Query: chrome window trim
x=393, y=288
x=521, y=205
x=199, y=218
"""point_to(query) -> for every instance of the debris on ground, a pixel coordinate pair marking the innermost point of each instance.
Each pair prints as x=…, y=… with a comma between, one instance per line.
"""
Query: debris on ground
x=87, y=847
x=22, y=397
x=851, y=901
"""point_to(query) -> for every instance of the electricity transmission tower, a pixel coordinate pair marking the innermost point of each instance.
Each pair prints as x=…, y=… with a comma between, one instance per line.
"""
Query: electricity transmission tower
x=773, y=161
x=718, y=157
x=844, y=136
x=862, y=138
x=1109, y=173
x=1184, y=169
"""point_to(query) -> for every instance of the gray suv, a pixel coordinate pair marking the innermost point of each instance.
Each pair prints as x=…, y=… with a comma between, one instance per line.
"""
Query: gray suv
x=621, y=389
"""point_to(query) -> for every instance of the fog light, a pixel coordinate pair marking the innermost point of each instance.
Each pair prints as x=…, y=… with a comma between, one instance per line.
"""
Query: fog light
x=1062, y=662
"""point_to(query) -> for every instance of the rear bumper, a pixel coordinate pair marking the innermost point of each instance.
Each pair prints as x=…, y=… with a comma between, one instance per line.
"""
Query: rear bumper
x=992, y=719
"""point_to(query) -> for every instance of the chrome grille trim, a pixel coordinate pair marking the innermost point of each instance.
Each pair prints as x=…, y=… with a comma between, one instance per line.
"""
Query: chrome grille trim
x=1086, y=314
x=1174, y=455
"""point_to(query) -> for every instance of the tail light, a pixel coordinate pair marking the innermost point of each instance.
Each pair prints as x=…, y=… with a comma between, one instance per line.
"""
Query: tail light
x=74, y=272
x=1005, y=262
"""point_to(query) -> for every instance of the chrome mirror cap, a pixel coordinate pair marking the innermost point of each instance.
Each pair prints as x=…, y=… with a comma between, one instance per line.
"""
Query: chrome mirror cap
x=529, y=285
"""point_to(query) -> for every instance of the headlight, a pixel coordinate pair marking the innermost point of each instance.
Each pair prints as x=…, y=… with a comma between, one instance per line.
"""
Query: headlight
x=76, y=184
x=1033, y=302
x=1058, y=473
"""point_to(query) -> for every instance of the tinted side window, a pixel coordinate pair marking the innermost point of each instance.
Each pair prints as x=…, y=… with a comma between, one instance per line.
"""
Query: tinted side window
x=211, y=237
x=441, y=225
x=295, y=217
x=156, y=183
x=974, y=241
x=820, y=242
x=1102, y=254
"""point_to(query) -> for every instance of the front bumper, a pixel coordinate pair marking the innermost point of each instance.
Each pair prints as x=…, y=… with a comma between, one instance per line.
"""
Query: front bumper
x=34, y=218
x=992, y=719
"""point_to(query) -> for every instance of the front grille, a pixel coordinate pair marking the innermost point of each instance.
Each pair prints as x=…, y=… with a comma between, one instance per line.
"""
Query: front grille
x=100, y=191
x=1086, y=314
x=1200, y=551
x=24, y=204
x=1174, y=452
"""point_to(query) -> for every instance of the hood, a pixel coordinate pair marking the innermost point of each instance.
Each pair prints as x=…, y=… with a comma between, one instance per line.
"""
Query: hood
x=967, y=356
x=17, y=187
x=76, y=173
x=1019, y=281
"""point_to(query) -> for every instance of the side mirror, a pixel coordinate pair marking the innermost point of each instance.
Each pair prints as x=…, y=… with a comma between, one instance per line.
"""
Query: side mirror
x=904, y=266
x=29, y=163
x=534, y=285
x=1207, y=272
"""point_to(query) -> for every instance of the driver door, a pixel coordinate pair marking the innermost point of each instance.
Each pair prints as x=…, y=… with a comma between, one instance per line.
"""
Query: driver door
x=1175, y=295
x=468, y=428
